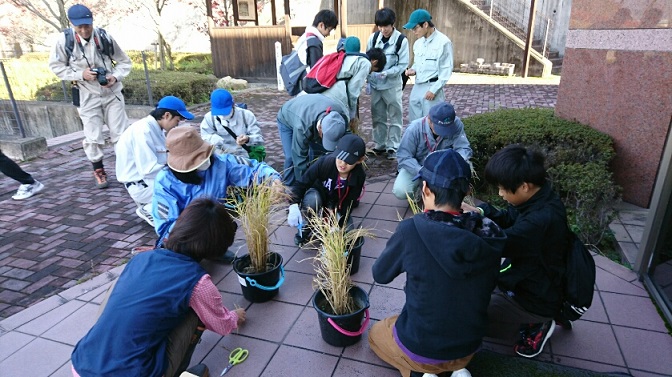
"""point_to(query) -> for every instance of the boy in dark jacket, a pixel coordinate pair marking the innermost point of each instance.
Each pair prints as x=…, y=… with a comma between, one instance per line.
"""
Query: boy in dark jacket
x=535, y=222
x=451, y=261
x=335, y=181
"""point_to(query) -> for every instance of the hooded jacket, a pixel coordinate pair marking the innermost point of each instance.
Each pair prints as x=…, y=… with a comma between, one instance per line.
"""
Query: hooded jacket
x=451, y=265
x=536, y=246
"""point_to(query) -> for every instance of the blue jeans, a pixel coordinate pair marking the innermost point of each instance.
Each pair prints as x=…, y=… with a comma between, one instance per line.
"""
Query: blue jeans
x=286, y=135
x=315, y=150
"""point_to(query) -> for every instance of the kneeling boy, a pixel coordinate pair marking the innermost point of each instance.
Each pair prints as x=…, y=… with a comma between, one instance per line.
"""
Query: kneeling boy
x=451, y=260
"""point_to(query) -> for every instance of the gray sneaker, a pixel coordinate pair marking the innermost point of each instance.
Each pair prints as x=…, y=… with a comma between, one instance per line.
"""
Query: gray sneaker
x=391, y=154
x=145, y=216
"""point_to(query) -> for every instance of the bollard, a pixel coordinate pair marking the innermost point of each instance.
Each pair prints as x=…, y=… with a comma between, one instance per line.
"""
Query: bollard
x=278, y=59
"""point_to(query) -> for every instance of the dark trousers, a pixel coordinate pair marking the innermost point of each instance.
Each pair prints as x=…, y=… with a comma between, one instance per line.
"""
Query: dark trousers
x=9, y=168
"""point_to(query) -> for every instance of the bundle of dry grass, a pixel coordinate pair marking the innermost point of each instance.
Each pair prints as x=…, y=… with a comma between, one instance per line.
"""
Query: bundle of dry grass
x=331, y=262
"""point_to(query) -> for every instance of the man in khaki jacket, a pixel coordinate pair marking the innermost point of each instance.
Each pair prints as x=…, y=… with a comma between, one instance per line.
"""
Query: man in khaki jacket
x=100, y=100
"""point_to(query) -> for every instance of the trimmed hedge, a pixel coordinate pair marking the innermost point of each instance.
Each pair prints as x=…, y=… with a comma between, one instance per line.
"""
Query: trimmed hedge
x=191, y=87
x=577, y=160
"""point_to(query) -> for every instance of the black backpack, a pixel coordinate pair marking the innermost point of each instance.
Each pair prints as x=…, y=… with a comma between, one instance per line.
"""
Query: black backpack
x=104, y=45
x=579, y=280
x=404, y=78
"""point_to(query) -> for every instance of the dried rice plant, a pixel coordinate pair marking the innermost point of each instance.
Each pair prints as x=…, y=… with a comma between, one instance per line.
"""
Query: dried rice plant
x=354, y=126
x=331, y=262
x=416, y=207
x=254, y=209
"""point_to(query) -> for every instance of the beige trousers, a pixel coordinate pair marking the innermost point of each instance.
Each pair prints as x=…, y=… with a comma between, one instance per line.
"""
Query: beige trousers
x=383, y=344
x=98, y=109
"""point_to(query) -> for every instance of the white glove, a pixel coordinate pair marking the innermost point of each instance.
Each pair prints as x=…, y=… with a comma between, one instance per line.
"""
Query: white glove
x=294, y=217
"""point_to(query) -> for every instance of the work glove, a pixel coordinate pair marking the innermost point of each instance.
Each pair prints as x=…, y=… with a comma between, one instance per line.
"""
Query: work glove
x=294, y=217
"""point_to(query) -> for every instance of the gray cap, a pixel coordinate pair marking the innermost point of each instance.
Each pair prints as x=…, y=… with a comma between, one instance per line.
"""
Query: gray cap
x=333, y=129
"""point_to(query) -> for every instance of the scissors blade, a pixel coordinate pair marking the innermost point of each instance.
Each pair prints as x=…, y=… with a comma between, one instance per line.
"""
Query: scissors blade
x=226, y=369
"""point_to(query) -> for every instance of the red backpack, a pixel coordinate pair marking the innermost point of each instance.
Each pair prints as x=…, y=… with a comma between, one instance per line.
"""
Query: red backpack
x=323, y=74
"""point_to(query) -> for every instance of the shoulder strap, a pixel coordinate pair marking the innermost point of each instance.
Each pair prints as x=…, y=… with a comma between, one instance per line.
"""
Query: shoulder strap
x=400, y=39
x=105, y=45
x=233, y=134
x=375, y=38
x=69, y=43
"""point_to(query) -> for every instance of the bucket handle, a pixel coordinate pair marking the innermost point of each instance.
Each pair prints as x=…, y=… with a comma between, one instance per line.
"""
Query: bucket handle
x=350, y=333
x=253, y=283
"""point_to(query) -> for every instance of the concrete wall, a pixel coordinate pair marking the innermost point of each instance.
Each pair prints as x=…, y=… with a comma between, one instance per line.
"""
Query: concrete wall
x=52, y=119
x=617, y=78
x=472, y=36
x=558, y=11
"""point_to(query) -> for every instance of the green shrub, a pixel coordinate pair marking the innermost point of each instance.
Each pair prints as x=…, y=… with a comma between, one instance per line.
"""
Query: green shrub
x=577, y=159
x=191, y=87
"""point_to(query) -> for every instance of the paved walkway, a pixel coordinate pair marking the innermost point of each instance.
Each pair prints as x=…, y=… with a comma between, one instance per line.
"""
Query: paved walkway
x=60, y=249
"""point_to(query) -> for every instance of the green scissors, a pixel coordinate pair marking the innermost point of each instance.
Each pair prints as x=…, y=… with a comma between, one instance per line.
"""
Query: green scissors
x=236, y=357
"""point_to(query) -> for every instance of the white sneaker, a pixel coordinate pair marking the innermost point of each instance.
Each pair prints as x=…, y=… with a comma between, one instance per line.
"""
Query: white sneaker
x=461, y=373
x=429, y=375
x=26, y=191
x=145, y=216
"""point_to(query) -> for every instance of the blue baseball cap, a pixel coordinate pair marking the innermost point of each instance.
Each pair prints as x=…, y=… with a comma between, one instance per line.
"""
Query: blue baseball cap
x=175, y=104
x=442, y=167
x=418, y=16
x=78, y=14
x=221, y=102
x=442, y=116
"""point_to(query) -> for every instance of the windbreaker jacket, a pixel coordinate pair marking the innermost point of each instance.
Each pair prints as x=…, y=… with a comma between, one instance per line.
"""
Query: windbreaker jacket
x=418, y=142
x=451, y=268
x=536, y=247
x=171, y=196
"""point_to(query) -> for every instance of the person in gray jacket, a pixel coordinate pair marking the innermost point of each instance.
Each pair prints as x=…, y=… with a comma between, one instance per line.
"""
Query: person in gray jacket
x=224, y=114
x=100, y=99
x=386, y=86
x=309, y=126
x=439, y=130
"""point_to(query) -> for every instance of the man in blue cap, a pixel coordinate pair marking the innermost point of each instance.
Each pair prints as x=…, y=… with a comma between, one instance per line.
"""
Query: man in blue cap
x=91, y=59
x=439, y=130
x=141, y=152
x=224, y=120
x=432, y=64
x=440, y=250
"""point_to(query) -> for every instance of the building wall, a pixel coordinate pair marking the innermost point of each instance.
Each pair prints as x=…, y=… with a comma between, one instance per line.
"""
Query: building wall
x=473, y=37
x=617, y=78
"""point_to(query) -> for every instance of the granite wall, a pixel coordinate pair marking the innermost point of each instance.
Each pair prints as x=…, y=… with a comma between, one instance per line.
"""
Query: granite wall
x=617, y=78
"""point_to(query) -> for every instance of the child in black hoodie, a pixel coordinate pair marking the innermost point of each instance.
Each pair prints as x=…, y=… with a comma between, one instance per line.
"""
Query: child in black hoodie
x=451, y=260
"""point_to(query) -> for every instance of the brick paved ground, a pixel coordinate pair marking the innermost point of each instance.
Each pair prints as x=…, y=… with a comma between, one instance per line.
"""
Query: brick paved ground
x=72, y=231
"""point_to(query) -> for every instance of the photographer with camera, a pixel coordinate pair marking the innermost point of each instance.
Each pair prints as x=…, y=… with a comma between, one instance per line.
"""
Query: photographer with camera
x=92, y=60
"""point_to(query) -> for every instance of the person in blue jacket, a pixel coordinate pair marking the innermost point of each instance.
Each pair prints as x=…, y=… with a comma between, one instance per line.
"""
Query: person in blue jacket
x=451, y=260
x=193, y=172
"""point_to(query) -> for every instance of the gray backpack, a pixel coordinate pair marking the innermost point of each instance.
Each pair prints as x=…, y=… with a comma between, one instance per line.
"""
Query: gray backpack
x=292, y=70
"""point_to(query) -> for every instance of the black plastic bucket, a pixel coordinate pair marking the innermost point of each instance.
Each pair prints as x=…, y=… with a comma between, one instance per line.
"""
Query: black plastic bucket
x=343, y=330
x=263, y=286
x=355, y=255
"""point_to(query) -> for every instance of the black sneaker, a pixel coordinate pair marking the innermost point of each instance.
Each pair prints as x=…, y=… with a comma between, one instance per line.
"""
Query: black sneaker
x=391, y=154
x=534, y=339
x=563, y=322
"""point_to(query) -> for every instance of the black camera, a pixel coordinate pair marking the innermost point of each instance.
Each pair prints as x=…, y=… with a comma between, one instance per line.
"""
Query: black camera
x=100, y=75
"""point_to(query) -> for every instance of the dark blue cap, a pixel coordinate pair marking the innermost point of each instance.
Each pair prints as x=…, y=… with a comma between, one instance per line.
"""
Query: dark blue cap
x=78, y=14
x=442, y=167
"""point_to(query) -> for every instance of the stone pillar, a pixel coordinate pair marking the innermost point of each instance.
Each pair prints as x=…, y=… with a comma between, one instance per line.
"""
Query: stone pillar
x=617, y=78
